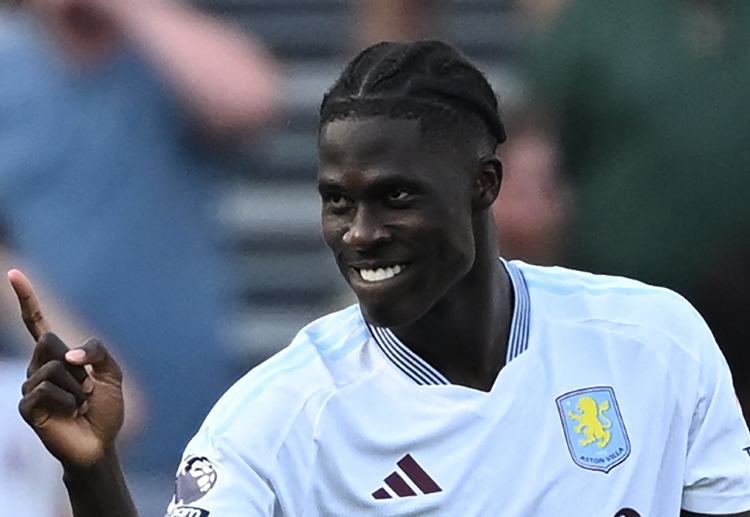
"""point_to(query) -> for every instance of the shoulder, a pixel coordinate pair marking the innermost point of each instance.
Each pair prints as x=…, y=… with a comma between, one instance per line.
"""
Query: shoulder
x=295, y=383
x=615, y=303
x=556, y=284
x=261, y=433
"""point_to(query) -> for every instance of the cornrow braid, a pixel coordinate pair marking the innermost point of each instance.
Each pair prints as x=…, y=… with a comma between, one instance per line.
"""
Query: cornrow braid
x=414, y=80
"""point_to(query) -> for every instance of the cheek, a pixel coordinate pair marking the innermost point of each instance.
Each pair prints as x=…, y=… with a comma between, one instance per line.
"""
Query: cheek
x=455, y=257
x=459, y=253
x=456, y=241
x=332, y=232
x=329, y=239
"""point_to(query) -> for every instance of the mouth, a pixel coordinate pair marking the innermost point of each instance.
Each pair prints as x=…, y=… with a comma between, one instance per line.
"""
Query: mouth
x=380, y=274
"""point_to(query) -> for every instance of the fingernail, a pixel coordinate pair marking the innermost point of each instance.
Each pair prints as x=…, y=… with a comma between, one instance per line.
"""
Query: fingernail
x=88, y=385
x=84, y=408
x=75, y=356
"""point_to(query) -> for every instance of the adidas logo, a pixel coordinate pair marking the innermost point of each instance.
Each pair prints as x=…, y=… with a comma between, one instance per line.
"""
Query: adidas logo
x=400, y=487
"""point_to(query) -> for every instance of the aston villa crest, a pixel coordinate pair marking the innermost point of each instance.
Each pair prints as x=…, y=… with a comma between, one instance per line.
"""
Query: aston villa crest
x=594, y=429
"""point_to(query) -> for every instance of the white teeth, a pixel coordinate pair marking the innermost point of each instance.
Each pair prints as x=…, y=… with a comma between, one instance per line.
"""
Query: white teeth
x=376, y=275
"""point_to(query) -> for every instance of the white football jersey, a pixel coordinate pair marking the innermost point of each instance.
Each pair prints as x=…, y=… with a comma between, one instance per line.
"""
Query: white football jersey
x=615, y=402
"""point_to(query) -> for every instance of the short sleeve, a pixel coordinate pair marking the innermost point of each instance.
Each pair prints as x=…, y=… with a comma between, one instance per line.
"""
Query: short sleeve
x=717, y=472
x=213, y=479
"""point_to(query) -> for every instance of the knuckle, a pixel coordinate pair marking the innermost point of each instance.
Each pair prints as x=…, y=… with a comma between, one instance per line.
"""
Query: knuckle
x=27, y=404
x=37, y=376
x=45, y=387
x=25, y=409
x=51, y=369
x=49, y=339
x=95, y=346
x=34, y=316
x=26, y=387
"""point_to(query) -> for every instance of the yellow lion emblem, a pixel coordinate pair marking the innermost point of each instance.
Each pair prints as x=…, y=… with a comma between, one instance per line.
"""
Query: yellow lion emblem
x=589, y=423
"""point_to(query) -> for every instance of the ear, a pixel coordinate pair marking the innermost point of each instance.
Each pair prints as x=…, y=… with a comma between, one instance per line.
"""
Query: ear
x=487, y=182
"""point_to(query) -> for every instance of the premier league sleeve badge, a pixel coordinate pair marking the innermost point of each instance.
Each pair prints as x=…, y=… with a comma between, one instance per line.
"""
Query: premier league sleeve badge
x=594, y=428
x=195, y=478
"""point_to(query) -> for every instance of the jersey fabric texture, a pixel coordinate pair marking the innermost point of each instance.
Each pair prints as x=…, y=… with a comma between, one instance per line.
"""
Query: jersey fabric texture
x=615, y=400
x=109, y=201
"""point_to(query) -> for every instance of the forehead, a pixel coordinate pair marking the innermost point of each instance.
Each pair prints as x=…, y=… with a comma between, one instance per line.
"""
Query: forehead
x=381, y=152
x=365, y=140
x=377, y=151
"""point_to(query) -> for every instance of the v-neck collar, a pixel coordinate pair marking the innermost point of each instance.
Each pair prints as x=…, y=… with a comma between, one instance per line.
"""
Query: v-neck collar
x=419, y=371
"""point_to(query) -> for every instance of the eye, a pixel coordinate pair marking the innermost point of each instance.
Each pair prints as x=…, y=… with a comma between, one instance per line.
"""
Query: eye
x=336, y=201
x=399, y=195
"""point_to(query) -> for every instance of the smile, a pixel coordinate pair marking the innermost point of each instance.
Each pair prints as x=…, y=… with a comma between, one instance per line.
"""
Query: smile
x=380, y=274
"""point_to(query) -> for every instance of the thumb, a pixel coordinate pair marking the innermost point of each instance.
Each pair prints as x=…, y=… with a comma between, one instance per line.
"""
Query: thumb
x=96, y=356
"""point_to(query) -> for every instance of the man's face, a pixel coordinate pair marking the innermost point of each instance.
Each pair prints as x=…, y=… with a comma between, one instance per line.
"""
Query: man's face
x=396, y=214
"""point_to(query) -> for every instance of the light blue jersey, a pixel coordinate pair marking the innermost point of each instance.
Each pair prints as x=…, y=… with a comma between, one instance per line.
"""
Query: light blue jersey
x=615, y=402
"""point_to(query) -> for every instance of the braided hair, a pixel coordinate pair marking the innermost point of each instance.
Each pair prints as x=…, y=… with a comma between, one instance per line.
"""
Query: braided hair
x=425, y=80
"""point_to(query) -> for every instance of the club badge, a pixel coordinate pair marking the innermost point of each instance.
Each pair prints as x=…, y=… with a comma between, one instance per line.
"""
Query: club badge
x=594, y=429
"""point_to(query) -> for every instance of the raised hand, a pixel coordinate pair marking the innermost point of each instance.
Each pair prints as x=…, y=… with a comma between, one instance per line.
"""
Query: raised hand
x=71, y=398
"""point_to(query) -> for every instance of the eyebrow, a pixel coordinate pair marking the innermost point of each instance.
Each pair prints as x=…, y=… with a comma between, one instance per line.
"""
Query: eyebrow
x=329, y=186
x=377, y=188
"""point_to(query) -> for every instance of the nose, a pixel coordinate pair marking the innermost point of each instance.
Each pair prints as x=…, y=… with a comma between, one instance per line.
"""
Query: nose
x=366, y=229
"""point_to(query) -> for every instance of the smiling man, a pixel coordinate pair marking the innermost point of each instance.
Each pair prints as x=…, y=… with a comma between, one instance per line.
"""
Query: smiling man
x=460, y=384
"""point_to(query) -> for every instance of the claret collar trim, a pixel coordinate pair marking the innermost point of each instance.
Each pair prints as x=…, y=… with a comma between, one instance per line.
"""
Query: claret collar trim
x=419, y=371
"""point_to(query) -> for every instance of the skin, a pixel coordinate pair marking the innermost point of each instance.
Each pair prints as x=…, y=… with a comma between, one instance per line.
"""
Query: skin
x=225, y=97
x=390, y=196
x=392, y=20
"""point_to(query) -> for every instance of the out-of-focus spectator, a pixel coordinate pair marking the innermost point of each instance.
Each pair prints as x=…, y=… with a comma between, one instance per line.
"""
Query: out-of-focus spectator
x=540, y=13
x=534, y=202
x=392, y=20
x=650, y=108
x=115, y=122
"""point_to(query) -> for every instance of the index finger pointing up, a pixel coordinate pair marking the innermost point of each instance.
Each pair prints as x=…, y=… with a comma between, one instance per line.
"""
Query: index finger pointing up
x=31, y=311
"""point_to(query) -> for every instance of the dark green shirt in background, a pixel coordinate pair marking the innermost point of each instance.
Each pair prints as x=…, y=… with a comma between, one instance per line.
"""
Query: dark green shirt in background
x=653, y=100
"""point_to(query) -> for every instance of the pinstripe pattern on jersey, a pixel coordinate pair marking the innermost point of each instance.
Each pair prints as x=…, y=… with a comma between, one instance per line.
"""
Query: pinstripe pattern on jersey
x=413, y=366
x=418, y=370
x=518, y=341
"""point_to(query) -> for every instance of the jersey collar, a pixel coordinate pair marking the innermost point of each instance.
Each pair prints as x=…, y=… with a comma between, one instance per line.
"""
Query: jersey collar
x=518, y=341
x=418, y=370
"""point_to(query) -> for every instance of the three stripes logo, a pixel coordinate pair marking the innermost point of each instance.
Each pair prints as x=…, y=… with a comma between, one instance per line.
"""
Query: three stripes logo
x=416, y=474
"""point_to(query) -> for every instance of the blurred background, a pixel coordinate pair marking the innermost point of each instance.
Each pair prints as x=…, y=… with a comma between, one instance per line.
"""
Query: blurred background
x=628, y=154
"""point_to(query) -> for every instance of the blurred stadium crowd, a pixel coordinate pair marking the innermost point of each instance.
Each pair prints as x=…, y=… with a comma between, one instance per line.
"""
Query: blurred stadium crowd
x=164, y=210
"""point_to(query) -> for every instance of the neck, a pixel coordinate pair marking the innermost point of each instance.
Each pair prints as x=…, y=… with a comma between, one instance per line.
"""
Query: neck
x=465, y=335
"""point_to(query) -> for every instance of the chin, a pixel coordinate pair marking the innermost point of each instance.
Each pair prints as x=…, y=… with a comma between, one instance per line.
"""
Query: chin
x=391, y=315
